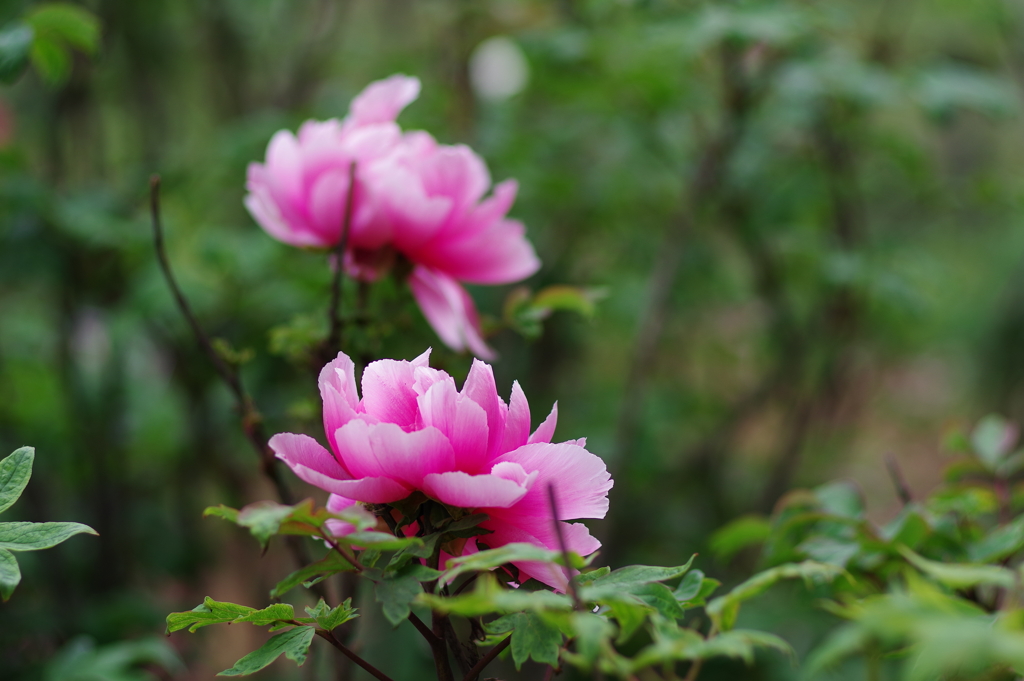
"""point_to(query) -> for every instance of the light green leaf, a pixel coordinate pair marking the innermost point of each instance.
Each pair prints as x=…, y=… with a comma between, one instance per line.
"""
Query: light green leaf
x=15, y=46
x=379, y=540
x=591, y=633
x=10, y=573
x=330, y=618
x=961, y=575
x=293, y=643
x=1001, y=543
x=51, y=59
x=218, y=612
x=68, y=23
x=15, y=471
x=992, y=439
x=489, y=597
x=724, y=609
x=35, y=536
x=509, y=553
x=739, y=534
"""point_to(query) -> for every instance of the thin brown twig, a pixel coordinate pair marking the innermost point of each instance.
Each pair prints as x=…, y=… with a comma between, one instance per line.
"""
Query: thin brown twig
x=577, y=604
x=333, y=343
x=898, y=480
x=252, y=422
x=342, y=552
x=374, y=672
x=487, y=659
x=422, y=627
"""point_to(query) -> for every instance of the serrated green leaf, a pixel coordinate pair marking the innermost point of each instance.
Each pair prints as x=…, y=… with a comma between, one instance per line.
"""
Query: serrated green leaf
x=330, y=618
x=15, y=46
x=10, y=574
x=68, y=23
x=423, y=549
x=219, y=612
x=532, y=637
x=15, y=471
x=51, y=59
x=398, y=589
x=739, y=534
x=331, y=564
x=961, y=575
x=724, y=609
x=35, y=536
x=293, y=643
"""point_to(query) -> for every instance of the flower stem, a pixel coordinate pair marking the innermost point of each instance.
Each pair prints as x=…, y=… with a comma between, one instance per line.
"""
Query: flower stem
x=333, y=343
x=374, y=672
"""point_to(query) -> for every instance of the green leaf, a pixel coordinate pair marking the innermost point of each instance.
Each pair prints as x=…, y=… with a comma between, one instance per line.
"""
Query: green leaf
x=266, y=519
x=15, y=46
x=293, y=643
x=532, y=637
x=330, y=618
x=10, y=574
x=659, y=597
x=724, y=609
x=222, y=511
x=630, y=616
x=15, y=471
x=841, y=498
x=640, y=574
x=961, y=575
x=397, y=590
x=1001, y=543
x=741, y=643
x=35, y=536
x=509, y=553
x=690, y=586
x=68, y=23
x=331, y=564
x=218, y=612
x=379, y=540
x=51, y=59
x=992, y=439
x=489, y=597
x=739, y=534
x=591, y=633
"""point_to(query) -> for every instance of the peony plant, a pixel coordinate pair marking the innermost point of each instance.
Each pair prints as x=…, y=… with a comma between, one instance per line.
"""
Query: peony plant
x=383, y=196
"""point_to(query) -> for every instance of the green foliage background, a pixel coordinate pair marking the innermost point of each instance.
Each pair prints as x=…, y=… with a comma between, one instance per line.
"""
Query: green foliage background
x=807, y=218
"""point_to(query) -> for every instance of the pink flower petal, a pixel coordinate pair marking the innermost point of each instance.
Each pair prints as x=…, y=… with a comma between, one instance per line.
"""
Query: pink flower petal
x=472, y=491
x=507, y=527
x=327, y=200
x=449, y=310
x=337, y=504
x=546, y=430
x=517, y=423
x=355, y=449
x=497, y=254
x=302, y=450
x=480, y=388
x=461, y=420
x=409, y=457
x=382, y=100
x=388, y=393
x=581, y=480
x=371, y=490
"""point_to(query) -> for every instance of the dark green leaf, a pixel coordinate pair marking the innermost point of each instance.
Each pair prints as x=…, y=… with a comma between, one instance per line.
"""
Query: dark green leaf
x=331, y=564
x=591, y=633
x=36, y=536
x=509, y=553
x=397, y=590
x=532, y=637
x=15, y=471
x=293, y=643
x=10, y=574
x=379, y=540
x=640, y=574
x=629, y=615
x=15, y=46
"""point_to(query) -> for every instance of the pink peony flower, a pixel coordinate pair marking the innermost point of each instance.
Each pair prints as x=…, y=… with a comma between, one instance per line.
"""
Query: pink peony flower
x=415, y=197
x=414, y=431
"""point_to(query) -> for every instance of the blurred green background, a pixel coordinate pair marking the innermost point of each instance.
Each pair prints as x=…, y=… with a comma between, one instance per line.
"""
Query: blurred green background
x=806, y=217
